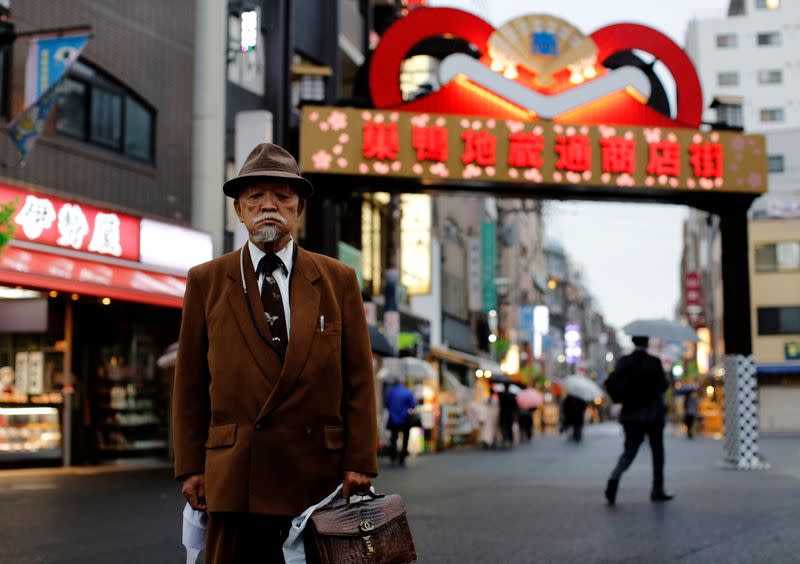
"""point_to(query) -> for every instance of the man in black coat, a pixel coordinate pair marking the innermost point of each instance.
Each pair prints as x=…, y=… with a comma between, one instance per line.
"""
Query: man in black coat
x=643, y=383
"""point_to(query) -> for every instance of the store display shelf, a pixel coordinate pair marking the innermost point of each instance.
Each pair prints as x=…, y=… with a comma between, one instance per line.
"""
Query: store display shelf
x=14, y=455
x=142, y=424
x=107, y=407
x=155, y=445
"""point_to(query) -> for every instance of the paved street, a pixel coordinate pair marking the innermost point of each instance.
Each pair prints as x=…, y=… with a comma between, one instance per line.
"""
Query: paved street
x=541, y=502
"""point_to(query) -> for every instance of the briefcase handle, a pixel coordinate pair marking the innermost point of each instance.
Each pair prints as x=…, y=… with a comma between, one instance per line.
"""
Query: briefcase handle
x=369, y=493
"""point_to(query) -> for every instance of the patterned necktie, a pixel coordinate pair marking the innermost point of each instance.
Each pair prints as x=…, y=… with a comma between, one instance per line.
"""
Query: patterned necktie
x=272, y=301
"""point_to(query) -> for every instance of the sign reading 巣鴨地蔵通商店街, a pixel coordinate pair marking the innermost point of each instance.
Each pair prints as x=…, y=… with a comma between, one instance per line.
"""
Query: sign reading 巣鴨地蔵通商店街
x=451, y=148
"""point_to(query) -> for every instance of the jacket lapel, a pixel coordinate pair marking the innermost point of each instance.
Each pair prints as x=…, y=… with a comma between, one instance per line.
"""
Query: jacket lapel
x=265, y=356
x=304, y=303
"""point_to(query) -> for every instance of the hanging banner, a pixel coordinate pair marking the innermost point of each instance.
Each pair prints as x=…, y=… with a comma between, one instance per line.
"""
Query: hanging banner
x=49, y=60
x=489, y=264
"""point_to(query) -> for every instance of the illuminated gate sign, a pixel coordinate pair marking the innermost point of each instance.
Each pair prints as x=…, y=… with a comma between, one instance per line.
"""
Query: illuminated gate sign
x=543, y=104
x=445, y=147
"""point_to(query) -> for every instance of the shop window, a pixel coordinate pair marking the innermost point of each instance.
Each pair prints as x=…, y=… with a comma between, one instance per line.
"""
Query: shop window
x=775, y=163
x=730, y=78
x=779, y=320
x=772, y=76
x=768, y=38
x=778, y=257
x=727, y=40
x=97, y=109
x=771, y=115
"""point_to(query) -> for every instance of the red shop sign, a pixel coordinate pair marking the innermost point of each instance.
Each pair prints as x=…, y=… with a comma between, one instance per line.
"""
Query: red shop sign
x=61, y=223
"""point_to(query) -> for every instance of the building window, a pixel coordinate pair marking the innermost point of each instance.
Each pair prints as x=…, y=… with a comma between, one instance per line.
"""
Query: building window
x=779, y=320
x=726, y=40
x=772, y=76
x=778, y=257
x=729, y=78
x=97, y=109
x=775, y=163
x=768, y=38
x=771, y=114
x=768, y=4
x=730, y=114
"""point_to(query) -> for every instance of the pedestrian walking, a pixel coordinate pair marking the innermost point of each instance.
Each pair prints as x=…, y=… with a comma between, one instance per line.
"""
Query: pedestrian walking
x=273, y=402
x=526, y=423
x=690, y=413
x=573, y=415
x=639, y=383
x=490, y=421
x=399, y=402
x=508, y=409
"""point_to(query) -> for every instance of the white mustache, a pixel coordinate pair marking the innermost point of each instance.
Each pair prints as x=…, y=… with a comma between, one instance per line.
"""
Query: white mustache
x=270, y=215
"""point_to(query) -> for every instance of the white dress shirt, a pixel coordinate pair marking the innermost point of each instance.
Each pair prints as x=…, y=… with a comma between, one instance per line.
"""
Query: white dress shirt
x=286, y=254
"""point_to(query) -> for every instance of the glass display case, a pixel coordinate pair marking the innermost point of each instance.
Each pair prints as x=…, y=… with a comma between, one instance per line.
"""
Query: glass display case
x=28, y=432
x=130, y=402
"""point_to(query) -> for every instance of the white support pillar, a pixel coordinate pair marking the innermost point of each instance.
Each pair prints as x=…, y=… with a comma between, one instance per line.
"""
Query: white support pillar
x=741, y=414
x=208, y=135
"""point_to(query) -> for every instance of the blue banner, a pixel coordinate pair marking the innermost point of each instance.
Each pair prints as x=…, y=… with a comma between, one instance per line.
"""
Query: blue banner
x=49, y=60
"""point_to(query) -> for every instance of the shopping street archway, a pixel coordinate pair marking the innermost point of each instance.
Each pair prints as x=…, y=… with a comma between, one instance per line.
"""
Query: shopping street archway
x=537, y=109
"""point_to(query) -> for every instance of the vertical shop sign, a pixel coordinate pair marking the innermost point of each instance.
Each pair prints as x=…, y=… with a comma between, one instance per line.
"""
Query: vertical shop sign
x=21, y=373
x=474, y=274
x=489, y=263
x=35, y=372
x=693, y=292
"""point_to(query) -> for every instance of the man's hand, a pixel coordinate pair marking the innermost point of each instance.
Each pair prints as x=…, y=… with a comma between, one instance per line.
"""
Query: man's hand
x=355, y=483
x=194, y=490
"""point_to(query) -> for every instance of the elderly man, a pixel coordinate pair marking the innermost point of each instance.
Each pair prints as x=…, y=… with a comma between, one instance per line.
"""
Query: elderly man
x=274, y=402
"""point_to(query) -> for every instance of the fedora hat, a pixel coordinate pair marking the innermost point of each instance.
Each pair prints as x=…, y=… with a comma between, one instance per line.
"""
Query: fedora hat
x=268, y=162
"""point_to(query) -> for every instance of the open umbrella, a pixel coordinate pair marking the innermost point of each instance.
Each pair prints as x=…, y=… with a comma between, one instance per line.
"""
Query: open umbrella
x=663, y=329
x=582, y=387
x=380, y=344
x=404, y=368
x=530, y=398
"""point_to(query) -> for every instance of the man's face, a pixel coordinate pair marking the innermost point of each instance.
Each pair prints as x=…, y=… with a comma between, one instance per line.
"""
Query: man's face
x=269, y=210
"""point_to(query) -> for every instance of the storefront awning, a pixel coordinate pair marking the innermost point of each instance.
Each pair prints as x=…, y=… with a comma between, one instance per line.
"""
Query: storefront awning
x=466, y=359
x=23, y=267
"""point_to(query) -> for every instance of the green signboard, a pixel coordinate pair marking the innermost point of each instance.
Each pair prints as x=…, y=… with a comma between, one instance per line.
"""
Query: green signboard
x=489, y=265
x=791, y=350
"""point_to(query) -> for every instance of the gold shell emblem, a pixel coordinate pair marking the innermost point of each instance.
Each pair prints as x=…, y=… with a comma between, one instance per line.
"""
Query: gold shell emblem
x=510, y=47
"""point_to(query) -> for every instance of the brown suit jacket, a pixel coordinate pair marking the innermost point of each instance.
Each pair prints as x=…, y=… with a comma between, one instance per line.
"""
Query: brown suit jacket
x=270, y=438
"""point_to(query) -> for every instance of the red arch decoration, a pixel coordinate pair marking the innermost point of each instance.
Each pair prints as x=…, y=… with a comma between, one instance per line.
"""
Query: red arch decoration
x=400, y=38
x=621, y=37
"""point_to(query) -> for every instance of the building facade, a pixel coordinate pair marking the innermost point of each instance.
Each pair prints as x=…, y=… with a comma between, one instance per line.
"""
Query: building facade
x=748, y=68
x=93, y=280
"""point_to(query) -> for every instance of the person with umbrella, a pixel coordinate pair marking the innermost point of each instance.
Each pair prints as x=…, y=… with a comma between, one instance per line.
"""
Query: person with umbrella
x=639, y=382
x=527, y=401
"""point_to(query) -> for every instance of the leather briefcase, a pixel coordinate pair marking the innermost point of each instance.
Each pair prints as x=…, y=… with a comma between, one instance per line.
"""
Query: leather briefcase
x=373, y=531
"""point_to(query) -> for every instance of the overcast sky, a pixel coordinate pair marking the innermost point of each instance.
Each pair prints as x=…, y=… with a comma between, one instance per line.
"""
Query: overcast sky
x=630, y=252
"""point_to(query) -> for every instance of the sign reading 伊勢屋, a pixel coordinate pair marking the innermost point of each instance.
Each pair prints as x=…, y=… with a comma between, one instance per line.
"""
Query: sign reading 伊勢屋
x=49, y=220
x=455, y=148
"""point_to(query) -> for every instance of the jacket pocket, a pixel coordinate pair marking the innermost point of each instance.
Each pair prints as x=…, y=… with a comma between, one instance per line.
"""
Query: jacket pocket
x=221, y=435
x=329, y=328
x=334, y=437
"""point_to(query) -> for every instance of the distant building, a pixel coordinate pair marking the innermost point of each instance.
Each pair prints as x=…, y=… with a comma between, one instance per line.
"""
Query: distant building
x=747, y=65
